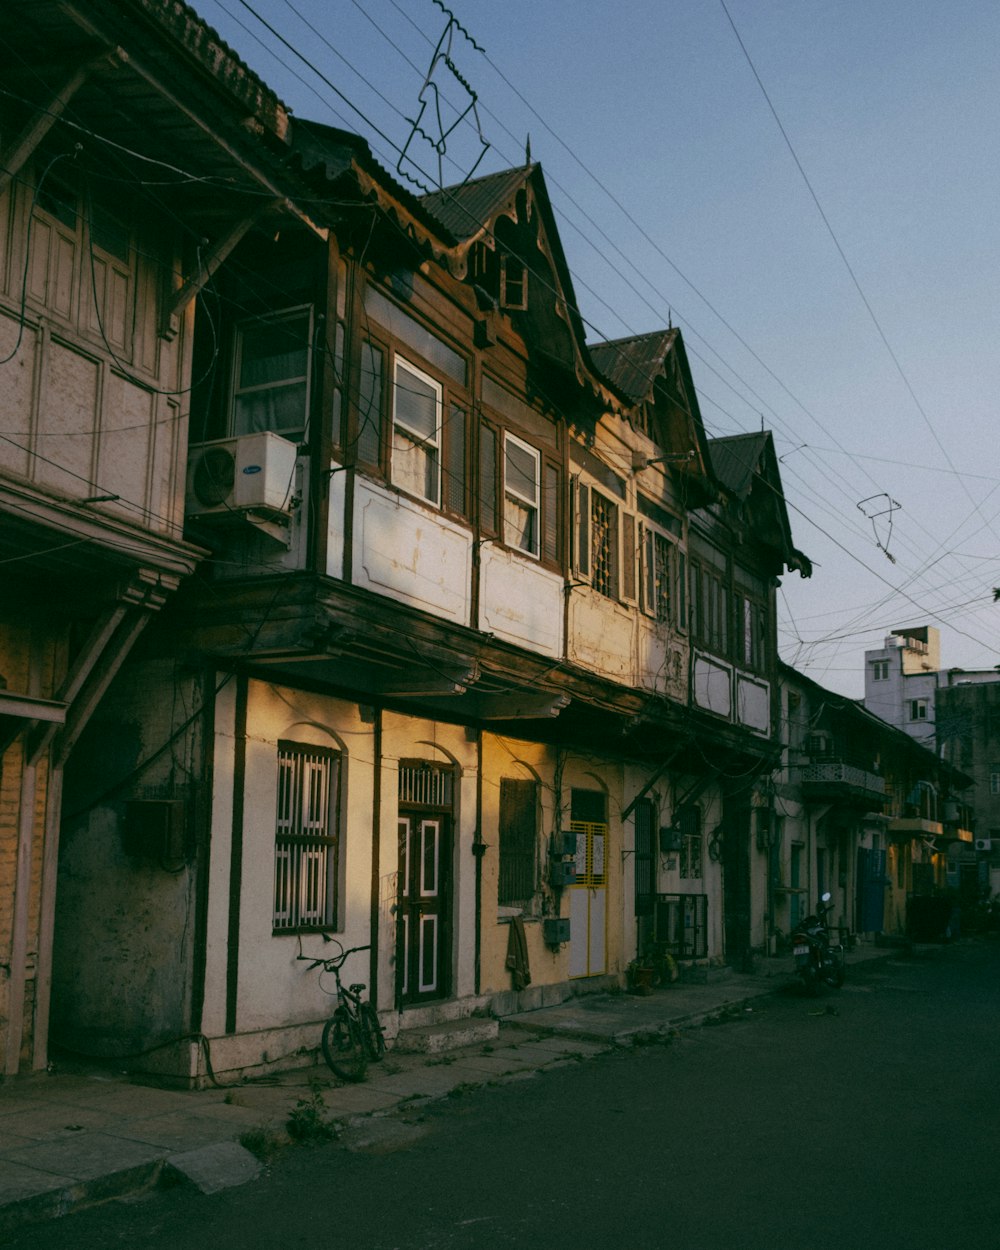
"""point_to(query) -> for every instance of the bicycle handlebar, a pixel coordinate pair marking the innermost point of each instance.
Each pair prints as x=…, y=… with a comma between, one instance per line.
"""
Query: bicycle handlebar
x=335, y=961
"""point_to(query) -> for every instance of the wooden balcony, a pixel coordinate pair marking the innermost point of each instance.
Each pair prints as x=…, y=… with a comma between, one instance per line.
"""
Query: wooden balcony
x=832, y=781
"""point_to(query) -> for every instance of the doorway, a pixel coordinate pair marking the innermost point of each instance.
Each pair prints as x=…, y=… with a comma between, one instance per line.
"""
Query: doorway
x=588, y=898
x=423, y=931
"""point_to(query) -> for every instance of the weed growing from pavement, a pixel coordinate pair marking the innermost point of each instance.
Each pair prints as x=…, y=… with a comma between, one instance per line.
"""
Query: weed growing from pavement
x=263, y=1141
x=307, y=1120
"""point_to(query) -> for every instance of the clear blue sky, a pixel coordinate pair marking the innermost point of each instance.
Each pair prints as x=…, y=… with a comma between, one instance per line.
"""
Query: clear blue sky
x=677, y=195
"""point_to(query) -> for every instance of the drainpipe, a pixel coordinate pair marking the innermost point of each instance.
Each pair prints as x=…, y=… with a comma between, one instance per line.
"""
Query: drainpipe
x=478, y=849
x=375, y=918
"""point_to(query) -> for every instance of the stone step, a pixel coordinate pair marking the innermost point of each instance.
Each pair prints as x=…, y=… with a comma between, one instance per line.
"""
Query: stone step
x=432, y=1039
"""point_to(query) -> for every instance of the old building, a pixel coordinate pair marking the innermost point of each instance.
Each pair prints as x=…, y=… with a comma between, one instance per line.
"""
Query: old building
x=951, y=712
x=113, y=118
x=863, y=811
x=477, y=670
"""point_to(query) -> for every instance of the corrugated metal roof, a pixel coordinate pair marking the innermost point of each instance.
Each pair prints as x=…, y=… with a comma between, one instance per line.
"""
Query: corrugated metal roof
x=631, y=364
x=464, y=209
x=736, y=458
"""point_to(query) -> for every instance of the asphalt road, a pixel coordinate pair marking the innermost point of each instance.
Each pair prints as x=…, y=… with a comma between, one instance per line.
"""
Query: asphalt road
x=865, y=1118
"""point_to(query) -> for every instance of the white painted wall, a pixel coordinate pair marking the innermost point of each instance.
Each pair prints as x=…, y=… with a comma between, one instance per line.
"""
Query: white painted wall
x=274, y=990
x=602, y=634
x=520, y=601
x=413, y=553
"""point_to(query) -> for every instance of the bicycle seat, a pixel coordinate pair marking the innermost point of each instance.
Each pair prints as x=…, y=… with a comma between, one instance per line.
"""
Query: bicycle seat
x=356, y=989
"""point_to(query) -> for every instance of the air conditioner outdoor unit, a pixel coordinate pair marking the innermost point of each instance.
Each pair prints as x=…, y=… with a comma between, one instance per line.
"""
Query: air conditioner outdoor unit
x=252, y=472
x=984, y=844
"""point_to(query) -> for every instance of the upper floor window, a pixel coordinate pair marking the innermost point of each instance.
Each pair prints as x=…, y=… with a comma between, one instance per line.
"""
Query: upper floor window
x=880, y=670
x=522, y=495
x=918, y=709
x=710, y=608
x=271, y=385
x=513, y=282
x=995, y=779
x=519, y=495
x=753, y=632
x=82, y=264
x=604, y=544
x=662, y=578
x=412, y=407
x=416, y=436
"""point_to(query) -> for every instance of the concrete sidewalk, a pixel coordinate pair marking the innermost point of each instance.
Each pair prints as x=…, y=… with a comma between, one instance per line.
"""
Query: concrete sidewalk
x=71, y=1139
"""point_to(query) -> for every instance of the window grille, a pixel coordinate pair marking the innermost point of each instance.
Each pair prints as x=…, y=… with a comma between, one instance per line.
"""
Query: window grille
x=426, y=785
x=645, y=882
x=518, y=840
x=306, y=838
x=604, y=545
x=682, y=924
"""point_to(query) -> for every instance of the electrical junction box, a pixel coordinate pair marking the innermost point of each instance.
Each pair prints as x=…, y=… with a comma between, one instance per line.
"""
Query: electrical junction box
x=555, y=930
x=154, y=829
x=562, y=872
x=670, y=839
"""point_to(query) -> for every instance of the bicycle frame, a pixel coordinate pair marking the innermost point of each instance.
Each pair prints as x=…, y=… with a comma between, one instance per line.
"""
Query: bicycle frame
x=353, y=1035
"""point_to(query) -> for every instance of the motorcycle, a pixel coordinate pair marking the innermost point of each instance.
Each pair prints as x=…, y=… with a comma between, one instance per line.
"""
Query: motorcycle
x=818, y=960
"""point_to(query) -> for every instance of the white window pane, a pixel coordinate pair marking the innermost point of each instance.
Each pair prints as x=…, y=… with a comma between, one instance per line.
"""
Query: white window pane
x=522, y=471
x=417, y=403
x=414, y=466
x=520, y=529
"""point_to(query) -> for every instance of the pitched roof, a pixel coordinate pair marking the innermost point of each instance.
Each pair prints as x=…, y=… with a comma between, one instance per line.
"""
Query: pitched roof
x=736, y=458
x=632, y=364
x=466, y=208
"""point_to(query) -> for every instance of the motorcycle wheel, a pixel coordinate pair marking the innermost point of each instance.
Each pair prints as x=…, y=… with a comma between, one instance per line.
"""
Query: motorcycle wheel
x=835, y=976
x=810, y=980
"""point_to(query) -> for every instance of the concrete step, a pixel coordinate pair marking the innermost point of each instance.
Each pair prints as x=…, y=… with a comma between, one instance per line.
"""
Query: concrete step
x=432, y=1039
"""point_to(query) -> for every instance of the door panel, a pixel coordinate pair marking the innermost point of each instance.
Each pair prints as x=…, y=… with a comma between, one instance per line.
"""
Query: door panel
x=424, y=908
x=588, y=930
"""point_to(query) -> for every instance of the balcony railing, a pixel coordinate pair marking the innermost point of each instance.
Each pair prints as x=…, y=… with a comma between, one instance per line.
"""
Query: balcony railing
x=836, y=780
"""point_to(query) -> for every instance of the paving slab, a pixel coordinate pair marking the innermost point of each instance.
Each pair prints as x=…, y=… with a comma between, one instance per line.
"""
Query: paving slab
x=86, y=1156
x=177, y=1130
x=18, y=1181
x=216, y=1167
x=424, y=1082
x=44, y=1120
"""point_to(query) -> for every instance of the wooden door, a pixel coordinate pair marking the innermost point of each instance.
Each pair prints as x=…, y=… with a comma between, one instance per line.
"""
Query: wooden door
x=424, y=904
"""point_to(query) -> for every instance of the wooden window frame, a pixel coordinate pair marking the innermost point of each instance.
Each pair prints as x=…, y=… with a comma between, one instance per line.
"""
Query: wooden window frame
x=494, y=433
x=289, y=886
x=518, y=825
x=276, y=318
x=429, y=444
x=513, y=283
x=379, y=410
x=533, y=507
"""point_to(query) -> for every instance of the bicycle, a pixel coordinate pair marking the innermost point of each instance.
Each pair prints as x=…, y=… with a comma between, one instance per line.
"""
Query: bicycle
x=353, y=1036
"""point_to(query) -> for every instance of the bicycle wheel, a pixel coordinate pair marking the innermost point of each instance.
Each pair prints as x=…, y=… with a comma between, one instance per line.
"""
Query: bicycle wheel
x=343, y=1046
x=372, y=1031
